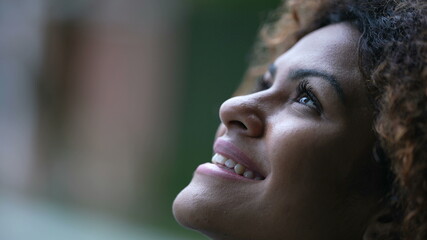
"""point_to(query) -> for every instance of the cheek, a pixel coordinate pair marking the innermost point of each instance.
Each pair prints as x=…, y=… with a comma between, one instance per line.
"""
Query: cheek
x=309, y=169
x=303, y=155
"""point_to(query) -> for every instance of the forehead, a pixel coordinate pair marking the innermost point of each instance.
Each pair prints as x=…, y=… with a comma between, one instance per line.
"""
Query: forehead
x=332, y=49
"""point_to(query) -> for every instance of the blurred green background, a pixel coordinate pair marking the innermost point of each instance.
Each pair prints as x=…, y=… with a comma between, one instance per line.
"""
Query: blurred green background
x=107, y=108
x=221, y=37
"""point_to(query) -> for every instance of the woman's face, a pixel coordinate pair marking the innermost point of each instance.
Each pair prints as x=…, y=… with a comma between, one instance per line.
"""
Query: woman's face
x=307, y=135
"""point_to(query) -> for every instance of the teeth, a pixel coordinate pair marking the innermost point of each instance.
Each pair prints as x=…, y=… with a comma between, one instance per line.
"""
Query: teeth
x=230, y=163
x=239, y=169
x=217, y=158
x=248, y=174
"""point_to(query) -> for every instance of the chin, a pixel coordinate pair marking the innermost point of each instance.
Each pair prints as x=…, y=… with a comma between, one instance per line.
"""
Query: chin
x=182, y=209
x=190, y=208
x=197, y=210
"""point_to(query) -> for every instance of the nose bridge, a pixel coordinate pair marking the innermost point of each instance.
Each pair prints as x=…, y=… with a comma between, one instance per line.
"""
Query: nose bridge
x=243, y=114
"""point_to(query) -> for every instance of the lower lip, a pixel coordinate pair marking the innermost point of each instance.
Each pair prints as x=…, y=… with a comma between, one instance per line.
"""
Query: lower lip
x=217, y=171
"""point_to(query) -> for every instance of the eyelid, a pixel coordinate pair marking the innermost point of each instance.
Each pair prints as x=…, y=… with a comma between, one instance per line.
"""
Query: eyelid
x=304, y=87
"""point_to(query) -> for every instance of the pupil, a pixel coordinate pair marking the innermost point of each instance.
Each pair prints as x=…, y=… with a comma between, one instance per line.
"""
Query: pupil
x=304, y=100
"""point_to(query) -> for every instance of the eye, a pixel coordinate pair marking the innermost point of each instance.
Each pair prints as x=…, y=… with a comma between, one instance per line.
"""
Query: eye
x=262, y=84
x=307, y=101
x=307, y=97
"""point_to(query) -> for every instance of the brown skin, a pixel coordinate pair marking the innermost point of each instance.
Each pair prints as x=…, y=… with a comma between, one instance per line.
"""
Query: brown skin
x=320, y=177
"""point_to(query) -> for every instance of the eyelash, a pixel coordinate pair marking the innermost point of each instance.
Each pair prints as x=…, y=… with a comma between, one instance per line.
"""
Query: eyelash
x=303, y=89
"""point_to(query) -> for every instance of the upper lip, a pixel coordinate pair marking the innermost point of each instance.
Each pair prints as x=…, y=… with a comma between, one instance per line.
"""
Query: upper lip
x=229, y=150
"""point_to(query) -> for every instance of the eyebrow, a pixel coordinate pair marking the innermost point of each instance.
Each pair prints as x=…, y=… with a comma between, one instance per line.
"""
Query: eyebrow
x=303, y=73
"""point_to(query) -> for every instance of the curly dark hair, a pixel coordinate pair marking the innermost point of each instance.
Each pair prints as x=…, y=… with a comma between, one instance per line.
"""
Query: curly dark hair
x=392, y=58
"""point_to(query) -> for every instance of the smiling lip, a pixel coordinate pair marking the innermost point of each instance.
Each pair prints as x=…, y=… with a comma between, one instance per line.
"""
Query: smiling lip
x=215, y=170
x=228, y=150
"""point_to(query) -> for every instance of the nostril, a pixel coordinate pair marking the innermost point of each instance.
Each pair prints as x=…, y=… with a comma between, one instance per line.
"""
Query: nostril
x=239, y=124
x=244, y=115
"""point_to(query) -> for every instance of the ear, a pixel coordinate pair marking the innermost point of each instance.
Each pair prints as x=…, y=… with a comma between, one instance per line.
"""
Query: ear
x=381, y=225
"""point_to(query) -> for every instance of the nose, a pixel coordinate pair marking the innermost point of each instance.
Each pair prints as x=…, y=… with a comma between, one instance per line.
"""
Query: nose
x=242, y=115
